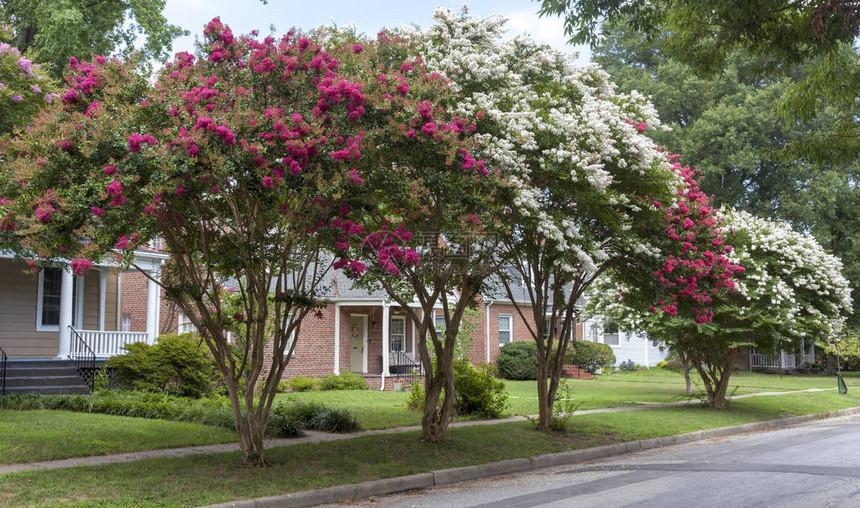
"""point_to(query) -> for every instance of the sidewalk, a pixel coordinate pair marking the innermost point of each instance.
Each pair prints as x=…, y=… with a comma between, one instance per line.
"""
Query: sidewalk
x=318, y=437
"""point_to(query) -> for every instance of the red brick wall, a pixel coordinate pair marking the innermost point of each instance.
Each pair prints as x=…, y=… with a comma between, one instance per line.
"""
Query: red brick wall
x=133, y=303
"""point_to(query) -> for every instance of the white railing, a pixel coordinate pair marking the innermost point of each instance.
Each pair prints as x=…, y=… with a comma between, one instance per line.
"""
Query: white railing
x=105, y=344
x=781, y=361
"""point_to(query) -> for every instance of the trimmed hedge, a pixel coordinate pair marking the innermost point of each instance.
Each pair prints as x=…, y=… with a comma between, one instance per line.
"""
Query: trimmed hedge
x=343, y=381
x=518, y=360
x=591, y=356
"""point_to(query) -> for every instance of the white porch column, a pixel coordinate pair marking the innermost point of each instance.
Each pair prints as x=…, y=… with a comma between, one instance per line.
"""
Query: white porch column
x=386, y=322
x=153, y=294
x=67, y=305
x=415, y=355
x=337, y=338
x=102, y=292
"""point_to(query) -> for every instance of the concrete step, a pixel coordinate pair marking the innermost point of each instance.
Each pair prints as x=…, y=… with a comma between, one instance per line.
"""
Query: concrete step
x=46, y=390
x=43, y=376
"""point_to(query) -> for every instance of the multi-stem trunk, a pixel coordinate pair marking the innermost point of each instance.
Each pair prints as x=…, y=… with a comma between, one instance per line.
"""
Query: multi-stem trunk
x=715, y=377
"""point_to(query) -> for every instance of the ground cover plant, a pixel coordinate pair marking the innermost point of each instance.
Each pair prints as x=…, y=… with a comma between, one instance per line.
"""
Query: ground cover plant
x=214, y=478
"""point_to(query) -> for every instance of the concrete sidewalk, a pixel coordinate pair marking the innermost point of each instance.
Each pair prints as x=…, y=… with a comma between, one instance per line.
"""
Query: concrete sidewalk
x=318, y=437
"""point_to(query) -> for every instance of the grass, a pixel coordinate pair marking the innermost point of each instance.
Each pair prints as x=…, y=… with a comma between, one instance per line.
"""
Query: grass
x=30, y=436
x=215, y=478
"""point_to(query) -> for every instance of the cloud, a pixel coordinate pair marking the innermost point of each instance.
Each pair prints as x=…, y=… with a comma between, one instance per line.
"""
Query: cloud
x=547, y=30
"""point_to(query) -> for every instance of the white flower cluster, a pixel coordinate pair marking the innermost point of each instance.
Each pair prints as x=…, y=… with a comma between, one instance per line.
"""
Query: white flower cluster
x=548, y=115
x=788, y=271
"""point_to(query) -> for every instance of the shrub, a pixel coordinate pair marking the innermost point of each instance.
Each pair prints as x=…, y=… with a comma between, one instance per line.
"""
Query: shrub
x=628, y=366
x=316, y=416
x=415, y=401
x=305, y=384
x=518, y=360
x=563, y=407
x=177, y=365
x=590, y=356
x=671, y=365
x=343, y=381
x=477, y=391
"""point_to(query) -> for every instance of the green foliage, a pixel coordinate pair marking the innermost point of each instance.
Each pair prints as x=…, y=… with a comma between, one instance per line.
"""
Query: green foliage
x=25, y=88
x=627, y=366
x=478, y=393
x=590, y=356
x=343, y=381
x=671, y=365
x=176, y=365
x=563, y=407
x=518, y=360
x=312, y=416
x=305, y=384
x=415, y=401
x=55, y=31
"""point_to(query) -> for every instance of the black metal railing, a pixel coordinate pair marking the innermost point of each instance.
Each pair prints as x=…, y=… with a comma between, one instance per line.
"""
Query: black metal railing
x=3, y=360
x=401, y=365
x=84, y=358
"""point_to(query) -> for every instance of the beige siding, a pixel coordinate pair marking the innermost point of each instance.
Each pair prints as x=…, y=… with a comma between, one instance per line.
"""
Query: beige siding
x=110, y=301
x=91, y=301
x=18, y=335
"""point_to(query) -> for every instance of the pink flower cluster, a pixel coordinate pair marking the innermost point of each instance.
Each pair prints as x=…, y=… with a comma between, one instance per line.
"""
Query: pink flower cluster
x=81, y=266
x=136, y=140
x=700, y=267
x=114, y=190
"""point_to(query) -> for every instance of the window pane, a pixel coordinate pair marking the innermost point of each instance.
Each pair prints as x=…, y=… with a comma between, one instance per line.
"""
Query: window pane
x=504, y=329
x=52, y=284
x=610, y=339
x=440, y=323
x=398, y=333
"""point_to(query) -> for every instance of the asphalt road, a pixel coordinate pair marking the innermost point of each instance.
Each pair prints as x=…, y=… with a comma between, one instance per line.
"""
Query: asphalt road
x=809, y=466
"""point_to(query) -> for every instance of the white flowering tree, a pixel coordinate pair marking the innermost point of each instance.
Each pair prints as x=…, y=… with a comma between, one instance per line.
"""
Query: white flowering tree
x=789, y=289
x=582, y=170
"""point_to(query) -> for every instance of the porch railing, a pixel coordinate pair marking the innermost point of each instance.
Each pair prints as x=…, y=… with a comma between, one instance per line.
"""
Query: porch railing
x=781, y=361
x=83, y=357
x=401, y=365
x=106, y=344
x=3, y=360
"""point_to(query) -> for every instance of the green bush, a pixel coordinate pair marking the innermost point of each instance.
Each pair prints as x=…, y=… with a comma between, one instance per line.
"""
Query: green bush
x=628, y=366
x=315, y=416
x=177, y=365
x=671, y=365
x=518, y=360
x=304, y=384
x=343, y=381
x=590, y=356
x=477, y=391
x=415, y=401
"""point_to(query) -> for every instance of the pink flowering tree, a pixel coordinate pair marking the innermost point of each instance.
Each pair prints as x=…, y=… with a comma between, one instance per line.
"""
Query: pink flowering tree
x=24, y=88
x=426, y=228
x=684, y=296
x=241, y=159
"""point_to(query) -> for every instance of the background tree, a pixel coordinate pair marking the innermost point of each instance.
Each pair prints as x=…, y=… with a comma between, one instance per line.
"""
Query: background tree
x=52, y=31
x=582, y=171
x=239, y=158
x=728, y=126
x=24, y=88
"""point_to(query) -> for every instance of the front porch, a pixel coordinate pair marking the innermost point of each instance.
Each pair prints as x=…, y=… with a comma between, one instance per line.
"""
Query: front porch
x=784, y=360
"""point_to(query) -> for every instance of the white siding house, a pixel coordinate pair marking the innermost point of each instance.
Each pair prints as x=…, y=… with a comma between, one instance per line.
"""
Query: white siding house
x=626, y=346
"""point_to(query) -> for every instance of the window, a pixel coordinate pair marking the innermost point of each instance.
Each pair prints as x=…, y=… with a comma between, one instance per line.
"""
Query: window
x=50, y=286
x=398, y=333
x=505, y=329
x=439, y=323
x=185, y=325
x=610, y=333
x=126, y=322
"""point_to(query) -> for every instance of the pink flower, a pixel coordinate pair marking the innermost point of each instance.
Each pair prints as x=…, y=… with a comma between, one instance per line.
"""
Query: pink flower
x=429, y=129
x=44, y=212
x=114, y=188
x=81, y=266
x=641, y=127
x=357, y=48
x=110, y=170
x=123, y=243
x=98, y=212
x=267, y=182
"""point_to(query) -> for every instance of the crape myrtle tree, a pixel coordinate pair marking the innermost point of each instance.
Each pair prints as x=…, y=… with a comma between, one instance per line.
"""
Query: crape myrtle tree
x=242, y=158
x=24, y=88
x=581, y=169
x=428, y=226
x=789, y=289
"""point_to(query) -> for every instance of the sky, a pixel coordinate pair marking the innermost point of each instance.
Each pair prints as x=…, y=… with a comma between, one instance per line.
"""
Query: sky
x=368, y=16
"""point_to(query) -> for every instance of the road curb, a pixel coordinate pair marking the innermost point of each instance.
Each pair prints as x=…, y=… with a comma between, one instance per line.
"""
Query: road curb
x=450, y=476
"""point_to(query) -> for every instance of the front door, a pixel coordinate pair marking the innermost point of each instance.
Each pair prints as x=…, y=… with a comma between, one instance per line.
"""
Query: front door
x=357, y=342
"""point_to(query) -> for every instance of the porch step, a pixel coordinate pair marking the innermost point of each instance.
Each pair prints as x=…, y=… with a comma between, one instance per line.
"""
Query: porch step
x=43, y=377
x=574, y=372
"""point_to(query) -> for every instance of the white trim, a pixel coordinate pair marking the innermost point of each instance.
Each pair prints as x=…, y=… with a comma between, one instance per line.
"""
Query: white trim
x=386, y=322
x=78, y=308
x=487, y=310
x=64, y=337
x=337, y=338
x=39, y=297
x=119, y=302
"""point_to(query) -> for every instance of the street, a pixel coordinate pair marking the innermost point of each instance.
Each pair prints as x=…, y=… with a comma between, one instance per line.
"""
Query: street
x=809, y=466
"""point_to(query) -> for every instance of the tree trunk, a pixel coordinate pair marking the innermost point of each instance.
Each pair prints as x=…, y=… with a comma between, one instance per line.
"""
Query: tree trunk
x=687, y=380
x=545, y=402
x=438, y=403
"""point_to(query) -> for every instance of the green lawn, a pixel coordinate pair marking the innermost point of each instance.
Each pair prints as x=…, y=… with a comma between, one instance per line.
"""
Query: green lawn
x=30, y=436
x=377, y=410
x=215, y=478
